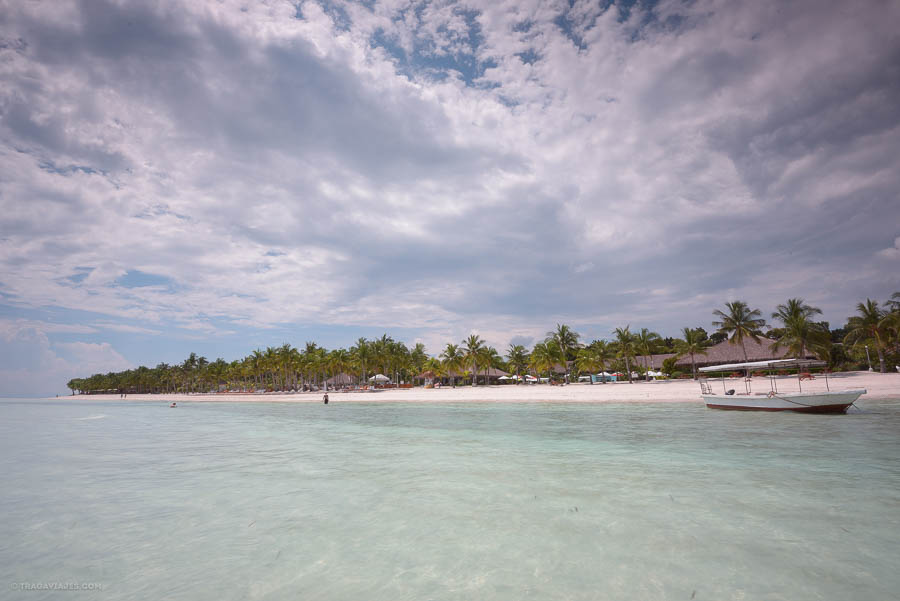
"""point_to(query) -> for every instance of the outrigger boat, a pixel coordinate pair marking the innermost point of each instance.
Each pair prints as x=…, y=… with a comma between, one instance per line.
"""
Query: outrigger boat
x=821, y=401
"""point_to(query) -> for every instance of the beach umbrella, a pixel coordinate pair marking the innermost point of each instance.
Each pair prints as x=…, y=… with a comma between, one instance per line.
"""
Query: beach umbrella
x=379, y=378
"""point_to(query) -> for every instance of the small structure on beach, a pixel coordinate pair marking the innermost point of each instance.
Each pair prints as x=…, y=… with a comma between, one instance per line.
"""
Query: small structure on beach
x=342, y=380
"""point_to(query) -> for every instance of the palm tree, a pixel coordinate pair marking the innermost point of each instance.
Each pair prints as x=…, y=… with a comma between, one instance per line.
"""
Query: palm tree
x=890, y=323
x=625, y=340
x=518, y=359
x=587, y=361
x=256, y=359
x=543, y=356
x=434, y=366
x=418, y=357
x=799, y=333
x=472, y=347
x=452, y=358
x=739, y=322
x=867, y=328
x=338, y=361
x=645, y=342
x=603, y=352
x=362, y=354
x=566, y=339
x=693, y=343
x=488, y=358
x=893, y=305
x=794, y=307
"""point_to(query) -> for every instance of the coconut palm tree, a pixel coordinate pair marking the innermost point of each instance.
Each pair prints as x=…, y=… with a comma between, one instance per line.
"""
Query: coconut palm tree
x=362, y=353
x=799, y=332
x=645, y=343
x=418, y=357
x=800, y=335
x=866, y=328
x=627, y=347
x=338, y=361
x=566, y=340
x=452, y=359
x=893, y=305
x=472, y=348
x=586, y=361
x=890, y=323
x=794, y=307
x=739, y=322
x=543, y=357
x=603, y=353
x=518, y=359
x=692, y=343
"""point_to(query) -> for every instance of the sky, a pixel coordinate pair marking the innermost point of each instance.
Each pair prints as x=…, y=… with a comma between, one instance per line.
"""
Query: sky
x=219, y=176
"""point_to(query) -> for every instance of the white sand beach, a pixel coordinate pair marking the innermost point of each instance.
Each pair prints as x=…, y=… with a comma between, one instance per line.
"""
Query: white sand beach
x=879, y=386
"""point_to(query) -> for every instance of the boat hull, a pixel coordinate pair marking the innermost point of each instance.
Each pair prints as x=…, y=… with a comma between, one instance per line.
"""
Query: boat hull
x=802, y=402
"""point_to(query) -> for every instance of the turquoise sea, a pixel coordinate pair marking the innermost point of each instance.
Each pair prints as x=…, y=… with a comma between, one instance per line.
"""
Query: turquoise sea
x=414, y=502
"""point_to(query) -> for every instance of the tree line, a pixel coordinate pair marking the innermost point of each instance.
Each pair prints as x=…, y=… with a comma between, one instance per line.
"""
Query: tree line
x=875, y=326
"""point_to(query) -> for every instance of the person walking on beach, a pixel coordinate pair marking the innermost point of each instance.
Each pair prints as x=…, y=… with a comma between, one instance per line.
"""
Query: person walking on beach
x=325, y=398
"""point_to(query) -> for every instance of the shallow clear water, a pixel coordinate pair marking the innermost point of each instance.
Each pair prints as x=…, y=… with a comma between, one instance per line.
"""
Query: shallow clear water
x=480, y=501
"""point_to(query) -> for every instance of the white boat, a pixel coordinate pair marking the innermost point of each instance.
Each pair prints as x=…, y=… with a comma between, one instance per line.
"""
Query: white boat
x=808, y=401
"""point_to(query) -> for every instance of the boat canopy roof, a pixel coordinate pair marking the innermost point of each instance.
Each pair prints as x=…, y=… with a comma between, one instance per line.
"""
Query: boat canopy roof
x=769, y=364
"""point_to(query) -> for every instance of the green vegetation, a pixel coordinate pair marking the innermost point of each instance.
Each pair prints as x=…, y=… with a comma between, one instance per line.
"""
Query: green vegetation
x=740, y=322
x=693, y=342
x=875, y=328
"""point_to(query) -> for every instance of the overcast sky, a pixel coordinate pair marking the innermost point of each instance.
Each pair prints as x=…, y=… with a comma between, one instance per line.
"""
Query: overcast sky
x=224, y=175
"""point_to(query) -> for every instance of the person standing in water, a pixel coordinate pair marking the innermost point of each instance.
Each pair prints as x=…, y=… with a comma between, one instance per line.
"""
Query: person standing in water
x=325, y=398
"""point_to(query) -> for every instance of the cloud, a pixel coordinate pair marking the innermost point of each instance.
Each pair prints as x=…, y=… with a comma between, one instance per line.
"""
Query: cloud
x=33, y=365
x=891, y=252
x=442, y=167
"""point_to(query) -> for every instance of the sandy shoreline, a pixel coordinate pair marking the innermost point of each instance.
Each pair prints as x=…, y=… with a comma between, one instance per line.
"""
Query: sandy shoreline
x=879, y=386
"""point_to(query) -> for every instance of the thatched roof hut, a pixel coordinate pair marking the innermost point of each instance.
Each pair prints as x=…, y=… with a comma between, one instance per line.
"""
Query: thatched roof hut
x=726, y=352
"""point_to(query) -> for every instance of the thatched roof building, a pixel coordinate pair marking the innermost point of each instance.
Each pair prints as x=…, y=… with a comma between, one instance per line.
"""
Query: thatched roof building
x=726, y=352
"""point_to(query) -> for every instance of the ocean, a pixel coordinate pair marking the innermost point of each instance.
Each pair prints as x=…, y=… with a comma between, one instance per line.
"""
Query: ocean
x=393, y=502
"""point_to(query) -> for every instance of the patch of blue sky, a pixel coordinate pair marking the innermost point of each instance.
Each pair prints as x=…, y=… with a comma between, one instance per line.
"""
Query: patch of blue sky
x=574, y=31
x=338, y=15
x=523, y=26
x=140, y=279
x=427, y=60
x=52, y=167
x=529, y=57
x=79, y=275
x=626, y=6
